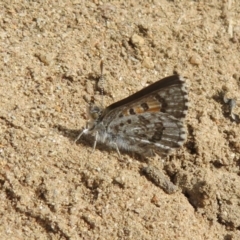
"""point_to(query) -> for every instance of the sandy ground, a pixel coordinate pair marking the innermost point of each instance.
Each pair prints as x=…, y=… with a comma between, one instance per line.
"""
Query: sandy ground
x=52, y=188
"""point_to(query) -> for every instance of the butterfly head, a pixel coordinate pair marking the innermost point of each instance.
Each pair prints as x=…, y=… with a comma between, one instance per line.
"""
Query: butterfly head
x=94, y=113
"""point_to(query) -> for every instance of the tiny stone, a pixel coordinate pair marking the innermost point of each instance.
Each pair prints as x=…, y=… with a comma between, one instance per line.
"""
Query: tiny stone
x=137, y=40
x=87, y=98
x=148, y=63
x=47, y=59
x=195, y=59
x=89, y=88
x=236, y=76
x=159, y=179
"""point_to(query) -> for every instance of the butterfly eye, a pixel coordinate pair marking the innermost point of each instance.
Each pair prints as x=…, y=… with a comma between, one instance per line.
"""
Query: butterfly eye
x=94, y=112
x=95, y=115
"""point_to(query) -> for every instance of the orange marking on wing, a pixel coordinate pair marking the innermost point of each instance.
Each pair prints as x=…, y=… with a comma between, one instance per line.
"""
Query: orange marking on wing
x=154, y=109
x=138, y=110
x=125, y=112
x=153, y=106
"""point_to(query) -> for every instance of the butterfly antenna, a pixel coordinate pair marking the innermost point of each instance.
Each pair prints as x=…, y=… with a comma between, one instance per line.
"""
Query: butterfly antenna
x=101, y=80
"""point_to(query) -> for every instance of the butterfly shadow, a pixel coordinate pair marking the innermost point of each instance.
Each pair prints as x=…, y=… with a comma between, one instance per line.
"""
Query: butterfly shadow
x=88, y=140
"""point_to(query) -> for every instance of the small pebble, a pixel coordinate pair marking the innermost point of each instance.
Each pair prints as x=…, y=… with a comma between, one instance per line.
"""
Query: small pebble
x=159, y=179
x=137, y=40
x=195, y=60
x=148, y=63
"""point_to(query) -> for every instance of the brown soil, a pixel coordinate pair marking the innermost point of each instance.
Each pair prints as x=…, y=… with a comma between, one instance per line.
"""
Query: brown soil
x=52, y=188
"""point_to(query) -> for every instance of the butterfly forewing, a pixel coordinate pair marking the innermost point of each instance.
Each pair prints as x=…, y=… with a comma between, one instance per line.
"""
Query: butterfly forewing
x=166, y=91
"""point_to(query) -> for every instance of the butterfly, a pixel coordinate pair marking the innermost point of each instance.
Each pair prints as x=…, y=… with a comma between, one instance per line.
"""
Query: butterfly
x=147, y=122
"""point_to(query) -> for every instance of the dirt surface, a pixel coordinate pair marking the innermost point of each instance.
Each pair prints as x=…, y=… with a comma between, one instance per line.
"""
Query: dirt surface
x=52, y=188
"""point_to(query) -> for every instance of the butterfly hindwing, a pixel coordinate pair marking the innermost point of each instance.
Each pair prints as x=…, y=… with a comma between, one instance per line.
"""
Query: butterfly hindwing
x=157, y=131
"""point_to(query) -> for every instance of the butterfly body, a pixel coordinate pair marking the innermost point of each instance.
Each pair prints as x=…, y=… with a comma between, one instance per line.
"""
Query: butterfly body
x=151, y=120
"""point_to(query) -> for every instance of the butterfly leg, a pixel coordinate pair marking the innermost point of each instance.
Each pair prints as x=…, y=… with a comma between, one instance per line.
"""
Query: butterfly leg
x=81, y=133
x=95, y=142
x=117, y=149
